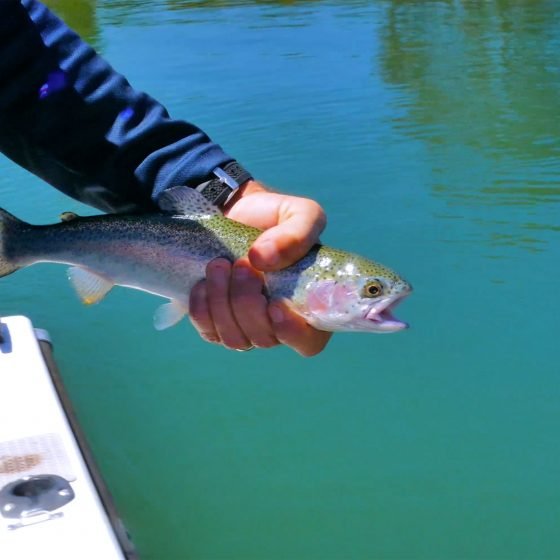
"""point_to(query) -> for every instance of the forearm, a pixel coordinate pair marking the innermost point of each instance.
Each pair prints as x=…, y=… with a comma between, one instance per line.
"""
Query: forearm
x=68, y=117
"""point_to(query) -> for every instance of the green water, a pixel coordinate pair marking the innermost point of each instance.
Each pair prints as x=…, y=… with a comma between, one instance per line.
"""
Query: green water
x=430, y=132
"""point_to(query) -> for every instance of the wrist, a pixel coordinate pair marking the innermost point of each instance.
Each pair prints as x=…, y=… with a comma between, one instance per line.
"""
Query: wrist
x=249, y=187
x=246, y=189
x=224, y=183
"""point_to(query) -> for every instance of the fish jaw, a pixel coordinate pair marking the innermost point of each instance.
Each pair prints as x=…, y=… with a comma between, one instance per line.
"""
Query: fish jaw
x=380, y=316
x=338, y=306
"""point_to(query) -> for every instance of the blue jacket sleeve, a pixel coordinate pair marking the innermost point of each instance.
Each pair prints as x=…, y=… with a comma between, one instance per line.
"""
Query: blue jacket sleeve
x=68, y=117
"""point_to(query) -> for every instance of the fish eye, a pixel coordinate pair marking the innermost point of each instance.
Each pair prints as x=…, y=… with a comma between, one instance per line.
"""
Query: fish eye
x=373, y=289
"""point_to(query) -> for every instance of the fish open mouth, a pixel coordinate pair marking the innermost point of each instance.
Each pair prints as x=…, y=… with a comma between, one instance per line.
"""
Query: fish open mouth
x=381, y=314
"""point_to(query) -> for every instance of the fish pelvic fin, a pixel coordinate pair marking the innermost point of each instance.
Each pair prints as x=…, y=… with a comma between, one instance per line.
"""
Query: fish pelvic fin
x=169, y=314
x=185, y=202
x=90, y=286
x=9, y=226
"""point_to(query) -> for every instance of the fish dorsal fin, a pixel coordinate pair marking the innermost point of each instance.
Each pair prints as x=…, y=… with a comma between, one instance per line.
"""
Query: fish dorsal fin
x=91, y=287
x=185, y=202
x=68, y=216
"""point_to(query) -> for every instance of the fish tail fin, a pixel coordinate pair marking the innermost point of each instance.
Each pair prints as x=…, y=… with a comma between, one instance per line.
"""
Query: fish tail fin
x=8, y=228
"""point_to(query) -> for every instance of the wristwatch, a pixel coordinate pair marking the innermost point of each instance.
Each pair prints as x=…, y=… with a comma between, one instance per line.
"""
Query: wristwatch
x=227, y=179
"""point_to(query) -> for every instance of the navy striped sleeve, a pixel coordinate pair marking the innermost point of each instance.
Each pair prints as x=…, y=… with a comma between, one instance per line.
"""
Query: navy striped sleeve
x=68, y=117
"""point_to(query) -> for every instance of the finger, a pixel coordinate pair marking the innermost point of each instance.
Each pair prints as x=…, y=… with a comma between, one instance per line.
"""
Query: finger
x=298, y=229
x=199, y=313
x=292, y=330
x=218, y=275
x=250, y=305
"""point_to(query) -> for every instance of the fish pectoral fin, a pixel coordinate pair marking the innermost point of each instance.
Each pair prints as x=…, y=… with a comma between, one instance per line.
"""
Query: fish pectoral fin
x=187, y=203
x=169, y=314
x=90, y=286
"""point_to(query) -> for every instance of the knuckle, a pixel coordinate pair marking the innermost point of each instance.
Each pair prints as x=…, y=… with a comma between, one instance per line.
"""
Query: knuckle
x=249, y=290
x=315, y=211
x=247, y=304
x=316, y=208
x=296, y=245
x=218, y=301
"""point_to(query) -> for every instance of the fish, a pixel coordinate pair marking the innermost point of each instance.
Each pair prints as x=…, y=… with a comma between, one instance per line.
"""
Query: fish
x=166, y=252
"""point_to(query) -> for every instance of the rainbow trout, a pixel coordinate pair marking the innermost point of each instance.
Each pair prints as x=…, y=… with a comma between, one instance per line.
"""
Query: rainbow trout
x=166, y=254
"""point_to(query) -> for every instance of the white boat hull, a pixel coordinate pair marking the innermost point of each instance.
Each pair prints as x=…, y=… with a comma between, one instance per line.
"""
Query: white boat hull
x=53, y=503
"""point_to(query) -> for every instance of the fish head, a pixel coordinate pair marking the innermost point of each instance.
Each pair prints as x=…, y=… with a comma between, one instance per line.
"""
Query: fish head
x=355, y=295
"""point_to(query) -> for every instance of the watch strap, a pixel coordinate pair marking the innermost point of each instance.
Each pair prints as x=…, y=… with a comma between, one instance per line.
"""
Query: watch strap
x=227, y=179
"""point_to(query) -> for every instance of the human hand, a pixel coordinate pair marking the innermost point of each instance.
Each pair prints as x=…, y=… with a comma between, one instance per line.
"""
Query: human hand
x=229, y=307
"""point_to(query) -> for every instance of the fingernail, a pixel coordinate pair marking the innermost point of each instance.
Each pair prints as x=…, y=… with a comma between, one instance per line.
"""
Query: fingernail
x=268, y=253
x=276, y=314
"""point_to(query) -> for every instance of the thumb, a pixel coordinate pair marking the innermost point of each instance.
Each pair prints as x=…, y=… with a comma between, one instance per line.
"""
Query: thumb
x=301, y=222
